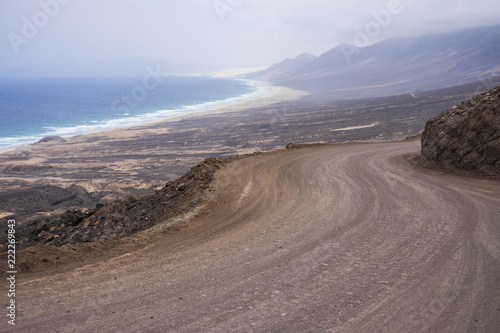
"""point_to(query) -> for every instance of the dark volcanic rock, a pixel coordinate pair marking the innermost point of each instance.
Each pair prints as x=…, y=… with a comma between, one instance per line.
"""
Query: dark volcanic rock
x=52, y=139
x=42, y=198
x=124, y=217
x=466, y=137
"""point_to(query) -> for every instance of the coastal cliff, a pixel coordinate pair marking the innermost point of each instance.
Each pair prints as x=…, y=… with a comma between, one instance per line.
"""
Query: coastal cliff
x=467, y=136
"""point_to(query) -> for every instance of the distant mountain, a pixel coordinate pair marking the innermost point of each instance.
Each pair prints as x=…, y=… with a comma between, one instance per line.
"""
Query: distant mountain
x=285, y=67
x=128, y=67
x=394, y=66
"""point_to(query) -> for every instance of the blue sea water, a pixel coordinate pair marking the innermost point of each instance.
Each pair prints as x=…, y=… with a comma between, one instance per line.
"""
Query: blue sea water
x=31, y=109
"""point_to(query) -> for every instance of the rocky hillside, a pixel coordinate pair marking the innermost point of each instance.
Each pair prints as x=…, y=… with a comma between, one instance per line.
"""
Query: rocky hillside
x=466, y=137
x=176, y=202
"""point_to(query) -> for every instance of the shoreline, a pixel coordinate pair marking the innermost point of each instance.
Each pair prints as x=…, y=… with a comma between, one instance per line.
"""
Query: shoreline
x=275, y=94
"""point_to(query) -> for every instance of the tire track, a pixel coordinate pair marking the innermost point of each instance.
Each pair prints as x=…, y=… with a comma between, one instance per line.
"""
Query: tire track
x=346, y=238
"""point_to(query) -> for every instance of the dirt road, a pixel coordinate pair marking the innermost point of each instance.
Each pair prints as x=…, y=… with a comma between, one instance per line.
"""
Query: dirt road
x=347, y=238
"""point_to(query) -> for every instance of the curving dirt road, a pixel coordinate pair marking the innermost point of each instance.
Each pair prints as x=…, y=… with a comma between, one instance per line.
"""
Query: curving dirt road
x=346, y=238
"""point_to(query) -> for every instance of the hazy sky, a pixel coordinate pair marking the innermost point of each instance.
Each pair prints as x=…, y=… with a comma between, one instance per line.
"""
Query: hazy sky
x=219, y=32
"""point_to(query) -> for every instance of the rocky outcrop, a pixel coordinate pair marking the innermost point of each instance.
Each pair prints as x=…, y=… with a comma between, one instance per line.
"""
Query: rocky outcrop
x=124, y=217
x=43, y=198
x=466, y=137
x=52, y=139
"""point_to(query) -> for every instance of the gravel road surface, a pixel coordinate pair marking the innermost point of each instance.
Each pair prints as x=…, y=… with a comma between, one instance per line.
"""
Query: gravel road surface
x=343, y=238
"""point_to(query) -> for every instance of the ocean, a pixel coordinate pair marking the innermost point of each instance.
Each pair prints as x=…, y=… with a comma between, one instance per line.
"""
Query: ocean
x=31, y=109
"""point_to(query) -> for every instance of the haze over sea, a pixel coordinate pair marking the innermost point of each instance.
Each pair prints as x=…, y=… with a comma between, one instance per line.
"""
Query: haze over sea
x=31, y=109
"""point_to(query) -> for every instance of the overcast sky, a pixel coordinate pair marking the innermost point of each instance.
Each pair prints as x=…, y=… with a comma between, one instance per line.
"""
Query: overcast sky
x=231, y=33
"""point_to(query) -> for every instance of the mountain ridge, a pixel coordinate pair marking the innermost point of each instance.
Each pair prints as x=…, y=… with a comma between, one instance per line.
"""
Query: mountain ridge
x=396, y=65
